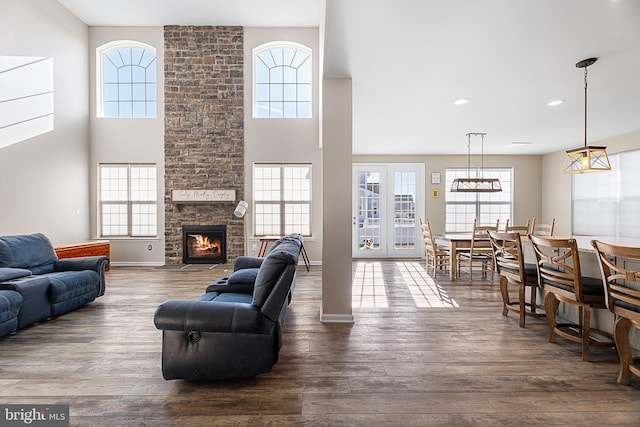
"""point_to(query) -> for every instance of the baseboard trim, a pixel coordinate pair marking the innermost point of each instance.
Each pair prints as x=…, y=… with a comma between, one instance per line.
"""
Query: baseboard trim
x=337, y=318
x=137, y=264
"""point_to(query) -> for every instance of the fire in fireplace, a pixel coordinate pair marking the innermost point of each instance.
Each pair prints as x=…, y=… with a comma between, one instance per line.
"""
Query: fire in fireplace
x=204, y=244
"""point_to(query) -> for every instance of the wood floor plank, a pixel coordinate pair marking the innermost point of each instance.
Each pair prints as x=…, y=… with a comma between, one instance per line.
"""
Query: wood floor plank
x=433, y=353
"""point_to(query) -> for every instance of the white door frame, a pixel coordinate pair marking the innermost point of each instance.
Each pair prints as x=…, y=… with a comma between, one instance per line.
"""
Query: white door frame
x=378, y=246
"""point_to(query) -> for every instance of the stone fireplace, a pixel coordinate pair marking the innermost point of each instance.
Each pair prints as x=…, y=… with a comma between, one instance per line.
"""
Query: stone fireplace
x=204, y=131
x=204, y=244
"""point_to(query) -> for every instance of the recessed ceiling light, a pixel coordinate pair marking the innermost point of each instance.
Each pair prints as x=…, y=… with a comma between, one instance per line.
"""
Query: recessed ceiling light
x=460, y=101
x=555, y=102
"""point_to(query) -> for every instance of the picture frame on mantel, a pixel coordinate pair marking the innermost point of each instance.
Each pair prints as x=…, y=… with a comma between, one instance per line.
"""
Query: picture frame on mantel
x=203, y=196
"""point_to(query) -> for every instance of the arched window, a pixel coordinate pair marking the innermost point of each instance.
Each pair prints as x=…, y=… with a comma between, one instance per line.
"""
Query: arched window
x=282, y=74
x=126, y=80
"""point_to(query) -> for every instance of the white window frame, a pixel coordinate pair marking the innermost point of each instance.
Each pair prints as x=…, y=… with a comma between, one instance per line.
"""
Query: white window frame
x=128, y=194
x=101, y=52
x=270, y=195
x=462, y=207
x=607, y=203
x=284, y=81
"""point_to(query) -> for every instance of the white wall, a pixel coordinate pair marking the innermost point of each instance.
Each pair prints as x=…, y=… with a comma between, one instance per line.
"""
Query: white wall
x=283, y=140
x=128, y=140
x=44, y=181
x=556, y=200
x=527, y=190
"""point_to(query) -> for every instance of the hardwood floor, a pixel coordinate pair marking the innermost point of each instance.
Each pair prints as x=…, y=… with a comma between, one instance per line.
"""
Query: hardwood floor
x=428, y=353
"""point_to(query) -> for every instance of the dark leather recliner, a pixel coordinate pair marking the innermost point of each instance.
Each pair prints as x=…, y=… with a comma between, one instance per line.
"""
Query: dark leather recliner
x=228, y=332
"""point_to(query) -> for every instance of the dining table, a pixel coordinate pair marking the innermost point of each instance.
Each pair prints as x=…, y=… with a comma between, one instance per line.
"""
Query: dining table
x=457, y=241
x=454, y=242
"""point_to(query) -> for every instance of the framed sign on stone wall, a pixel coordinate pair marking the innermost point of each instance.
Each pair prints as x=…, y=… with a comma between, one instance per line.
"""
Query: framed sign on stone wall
x=202, y=196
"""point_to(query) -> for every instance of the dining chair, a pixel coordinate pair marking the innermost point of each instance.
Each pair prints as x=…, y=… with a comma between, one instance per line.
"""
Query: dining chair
x=522, y=229
x=437, y=257
x=514, y=272
x=560, y=277
x=480, y=252
x=543, y=229
x=619, y=266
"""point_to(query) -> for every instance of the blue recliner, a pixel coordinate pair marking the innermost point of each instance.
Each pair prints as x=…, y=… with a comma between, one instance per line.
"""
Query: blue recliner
x=47, y=287
x=234, y=330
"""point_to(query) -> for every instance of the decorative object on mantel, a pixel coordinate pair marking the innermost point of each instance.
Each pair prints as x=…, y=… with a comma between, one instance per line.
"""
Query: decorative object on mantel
x=203, y=196
x=589, y=158
x=475, y=185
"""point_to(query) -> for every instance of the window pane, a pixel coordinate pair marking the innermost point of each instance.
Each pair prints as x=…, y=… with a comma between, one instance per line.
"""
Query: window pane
x=110, y=72
x=126, y=71
x=282, y=69
x=122, y=186
x=267, y=59
x=290, y=92
x=290, y=75
x=262, y=92
x=150, y=72
x=110, y=92
x=262, y=109
x=151, y=89
x=124, y=75
x=304, y=110
x=262, y=72
x=124, y=92
x=138, y=74
x=114, y=57
x=152, y=108
x=304, y=92
x=282, y=197
x=290, y=110
x=304, y=72
x=276, y=92
x=276, y=75
x=276, y=109
x=139, y=91
x=125, y=109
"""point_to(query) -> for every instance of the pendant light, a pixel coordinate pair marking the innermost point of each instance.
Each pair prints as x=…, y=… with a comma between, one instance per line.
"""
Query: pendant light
x=589, y=158
x=475, y=185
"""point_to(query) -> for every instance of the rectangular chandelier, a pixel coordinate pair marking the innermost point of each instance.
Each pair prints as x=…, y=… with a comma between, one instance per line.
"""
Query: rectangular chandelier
x=476, y=185
x=586, y=159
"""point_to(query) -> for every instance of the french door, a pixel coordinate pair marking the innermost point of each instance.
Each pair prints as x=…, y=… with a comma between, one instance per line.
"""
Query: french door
x=386, y=201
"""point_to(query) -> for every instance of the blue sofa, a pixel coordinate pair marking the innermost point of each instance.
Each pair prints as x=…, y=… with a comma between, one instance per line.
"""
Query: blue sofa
x=35, y=285
x=234, y=330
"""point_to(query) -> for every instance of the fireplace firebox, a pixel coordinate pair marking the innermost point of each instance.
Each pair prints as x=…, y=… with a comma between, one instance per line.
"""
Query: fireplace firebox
x=204, y=244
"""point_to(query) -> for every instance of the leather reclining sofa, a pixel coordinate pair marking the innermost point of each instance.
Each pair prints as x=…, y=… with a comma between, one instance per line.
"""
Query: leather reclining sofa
x=35, y=285
x=235, y=329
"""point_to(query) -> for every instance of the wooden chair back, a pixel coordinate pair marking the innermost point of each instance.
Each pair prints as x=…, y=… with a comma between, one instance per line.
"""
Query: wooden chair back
x=622, y=284
x=619, y=267
x=558, y=266
x=436, y=257
x=480, y=251
x=522, y=229
x=543, y=229
x=508, y=256
x=480, y=237
x=427, y=236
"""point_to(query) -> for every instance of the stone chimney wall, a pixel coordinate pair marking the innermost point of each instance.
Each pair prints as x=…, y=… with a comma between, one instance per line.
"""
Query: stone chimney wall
x=204, y=130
